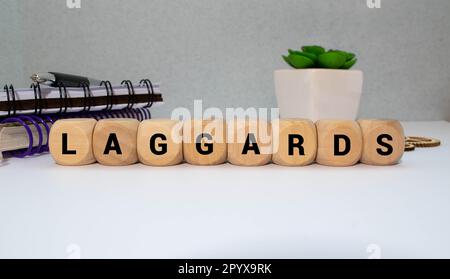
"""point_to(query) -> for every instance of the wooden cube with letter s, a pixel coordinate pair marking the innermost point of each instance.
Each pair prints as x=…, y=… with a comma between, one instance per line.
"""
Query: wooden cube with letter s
x=383, y=141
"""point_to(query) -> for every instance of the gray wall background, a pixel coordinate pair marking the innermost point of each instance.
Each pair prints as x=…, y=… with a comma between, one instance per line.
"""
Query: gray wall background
x=225, y=51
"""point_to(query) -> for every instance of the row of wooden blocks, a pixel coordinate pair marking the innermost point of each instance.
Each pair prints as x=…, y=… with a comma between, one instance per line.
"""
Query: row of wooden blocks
x=288, y=142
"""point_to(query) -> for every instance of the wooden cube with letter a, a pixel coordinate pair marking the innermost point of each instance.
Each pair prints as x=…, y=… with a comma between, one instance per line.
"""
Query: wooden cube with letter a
x=383, y=142
x=204, y=142
x=70, y=142
x=160, y=142
x=339, y=142
x=115, y=142
x=294, y=142
x=249, y=142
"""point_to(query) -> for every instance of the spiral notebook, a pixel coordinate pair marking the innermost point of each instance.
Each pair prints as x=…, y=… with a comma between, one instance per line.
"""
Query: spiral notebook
x=26, y=114
x=23, y=136
x=42, y=99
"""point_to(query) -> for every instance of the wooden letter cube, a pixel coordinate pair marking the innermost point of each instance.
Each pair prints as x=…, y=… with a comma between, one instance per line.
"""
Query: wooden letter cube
x=160, y=143
x=70, y=142
x=383, y=142
x=204, y=142
x=294, y=142
x=115, y=142
x=249, y=142
x=339, y=142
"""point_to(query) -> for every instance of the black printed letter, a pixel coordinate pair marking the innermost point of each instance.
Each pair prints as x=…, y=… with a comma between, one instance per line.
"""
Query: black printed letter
x=65, y=148
x=209, y=146
x=112, y=145
x=389, y=147
x=347, y=148
x=250, y=144
x=163, y=146
x=298, y=144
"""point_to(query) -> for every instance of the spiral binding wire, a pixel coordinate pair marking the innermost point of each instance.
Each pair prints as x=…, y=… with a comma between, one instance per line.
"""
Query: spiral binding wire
x=66, y=103
x=38, y=120
x=37, y=98
x=109, y=94
x=11, y=99
x=131, y=93
x=150, y=90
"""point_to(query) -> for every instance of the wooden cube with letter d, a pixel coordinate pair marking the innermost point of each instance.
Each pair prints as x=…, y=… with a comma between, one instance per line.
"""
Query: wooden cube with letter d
x=339, y=142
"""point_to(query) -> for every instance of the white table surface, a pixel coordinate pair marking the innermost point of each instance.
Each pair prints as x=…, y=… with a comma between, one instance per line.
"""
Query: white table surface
x=49, y=211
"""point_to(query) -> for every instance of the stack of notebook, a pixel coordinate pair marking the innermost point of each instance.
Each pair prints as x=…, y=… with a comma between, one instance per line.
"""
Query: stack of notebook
x=26, y=115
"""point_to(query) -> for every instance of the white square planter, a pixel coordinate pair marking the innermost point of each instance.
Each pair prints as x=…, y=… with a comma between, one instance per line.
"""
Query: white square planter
x=318, y=93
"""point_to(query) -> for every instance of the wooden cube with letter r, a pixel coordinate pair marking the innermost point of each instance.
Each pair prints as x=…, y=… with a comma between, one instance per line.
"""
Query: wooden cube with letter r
x=383, y=141
x=339, y=142
x=70, y=142
x=115, y=142
x=294, y=142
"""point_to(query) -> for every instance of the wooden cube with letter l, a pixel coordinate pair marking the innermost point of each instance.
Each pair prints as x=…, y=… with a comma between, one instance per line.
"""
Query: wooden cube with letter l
x=115, y=142
x=160, y=142
x=204, y=142
x=339, y=142
x=294, y=142
x=383, y=141
x=70, y=142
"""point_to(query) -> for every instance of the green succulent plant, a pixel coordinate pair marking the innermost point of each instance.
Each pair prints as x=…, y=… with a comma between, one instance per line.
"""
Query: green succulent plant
x=318, y=57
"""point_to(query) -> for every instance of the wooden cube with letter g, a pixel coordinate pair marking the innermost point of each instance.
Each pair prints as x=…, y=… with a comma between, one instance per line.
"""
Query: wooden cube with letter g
x=160, y=143
x=204, y=142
